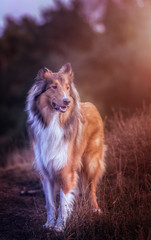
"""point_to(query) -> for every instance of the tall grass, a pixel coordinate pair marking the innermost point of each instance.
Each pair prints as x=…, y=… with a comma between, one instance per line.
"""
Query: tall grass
x=19, y=156
x=124, y=193
x=128, y=177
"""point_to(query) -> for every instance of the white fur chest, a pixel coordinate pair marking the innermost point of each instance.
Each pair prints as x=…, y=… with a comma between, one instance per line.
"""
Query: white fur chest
x=51, y=147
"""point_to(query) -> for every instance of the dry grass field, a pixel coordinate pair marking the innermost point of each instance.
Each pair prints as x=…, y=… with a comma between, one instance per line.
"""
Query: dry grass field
x=124, y=193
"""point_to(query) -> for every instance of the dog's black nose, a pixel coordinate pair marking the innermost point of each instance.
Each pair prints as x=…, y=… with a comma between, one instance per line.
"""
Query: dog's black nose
x=66, y=101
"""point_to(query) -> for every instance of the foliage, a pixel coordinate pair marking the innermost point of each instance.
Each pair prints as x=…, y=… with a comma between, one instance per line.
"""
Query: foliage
x=27, y=46
x=124, y=194
x=112, y=69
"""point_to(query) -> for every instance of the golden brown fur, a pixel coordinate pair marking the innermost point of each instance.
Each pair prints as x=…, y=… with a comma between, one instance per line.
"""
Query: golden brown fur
x=82, y=126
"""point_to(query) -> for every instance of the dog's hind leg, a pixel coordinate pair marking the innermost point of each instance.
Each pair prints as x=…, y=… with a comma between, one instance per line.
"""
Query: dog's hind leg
x=48, y=187
x=93, y=198
x=94, y=170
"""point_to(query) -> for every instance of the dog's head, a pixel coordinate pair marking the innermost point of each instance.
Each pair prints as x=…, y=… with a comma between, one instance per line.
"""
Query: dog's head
x=58, y=87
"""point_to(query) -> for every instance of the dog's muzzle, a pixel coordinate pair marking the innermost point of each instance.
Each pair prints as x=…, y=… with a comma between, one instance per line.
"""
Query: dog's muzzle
x=58, y=108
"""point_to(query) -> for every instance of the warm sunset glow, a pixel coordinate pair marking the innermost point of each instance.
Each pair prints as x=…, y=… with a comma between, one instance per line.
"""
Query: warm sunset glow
x=108, y=45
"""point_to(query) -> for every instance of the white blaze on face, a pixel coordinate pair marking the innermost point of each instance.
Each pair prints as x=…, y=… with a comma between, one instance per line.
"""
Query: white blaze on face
x=65, y=96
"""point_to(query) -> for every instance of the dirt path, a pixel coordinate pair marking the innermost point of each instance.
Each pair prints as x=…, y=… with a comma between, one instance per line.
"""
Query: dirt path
x=126, y=211
x=21, y=216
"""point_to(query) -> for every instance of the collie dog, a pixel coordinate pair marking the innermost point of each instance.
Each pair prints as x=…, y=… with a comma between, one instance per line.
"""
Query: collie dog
x=68, y=141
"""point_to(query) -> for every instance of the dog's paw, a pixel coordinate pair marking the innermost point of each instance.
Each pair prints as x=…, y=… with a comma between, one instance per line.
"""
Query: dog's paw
x=59, y=229
x=98, y=211
x=48, y=225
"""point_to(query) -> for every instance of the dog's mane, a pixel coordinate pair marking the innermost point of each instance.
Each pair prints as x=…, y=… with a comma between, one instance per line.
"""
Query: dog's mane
x=31, y=104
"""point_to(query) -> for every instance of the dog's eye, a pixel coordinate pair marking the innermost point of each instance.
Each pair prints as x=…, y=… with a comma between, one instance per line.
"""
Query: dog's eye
x=67, y=87
x=55, y=87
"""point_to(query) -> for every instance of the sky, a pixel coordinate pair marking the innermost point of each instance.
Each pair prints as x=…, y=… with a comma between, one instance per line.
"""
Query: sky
x=18, y=8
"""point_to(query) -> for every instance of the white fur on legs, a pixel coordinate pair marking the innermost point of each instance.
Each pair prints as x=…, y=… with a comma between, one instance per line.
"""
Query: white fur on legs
x=50, y=203
x=65, y=209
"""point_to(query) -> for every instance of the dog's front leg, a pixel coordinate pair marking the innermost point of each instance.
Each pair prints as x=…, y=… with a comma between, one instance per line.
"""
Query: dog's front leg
x=48, y=187
x=65, y=208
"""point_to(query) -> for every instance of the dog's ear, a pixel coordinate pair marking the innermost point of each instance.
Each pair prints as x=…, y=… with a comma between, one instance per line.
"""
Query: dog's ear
x=67, y=69
x=43, y=74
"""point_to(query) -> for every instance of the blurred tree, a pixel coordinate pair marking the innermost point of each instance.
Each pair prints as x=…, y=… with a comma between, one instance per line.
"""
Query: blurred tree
x=118, y=63
x=27, y=46
x=127, y=26
x=112, y=69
